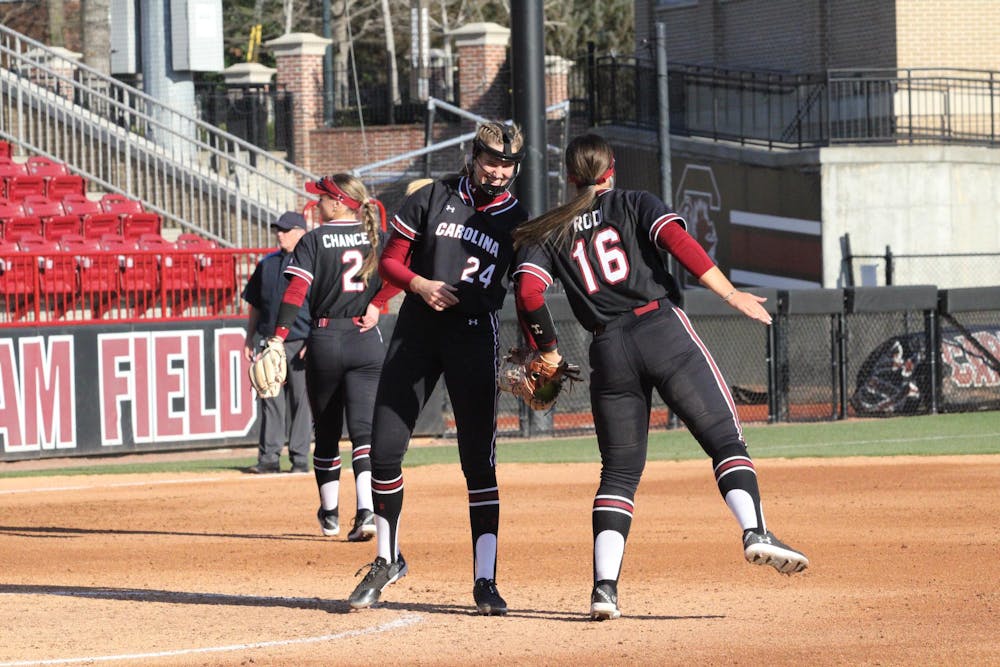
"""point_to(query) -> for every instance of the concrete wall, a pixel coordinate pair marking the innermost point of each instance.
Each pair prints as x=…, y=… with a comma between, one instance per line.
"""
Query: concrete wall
x=917, y=200
x=776, y=218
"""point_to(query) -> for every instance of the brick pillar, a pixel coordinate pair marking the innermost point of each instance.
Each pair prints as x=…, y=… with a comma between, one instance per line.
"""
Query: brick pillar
x=482, y=52
x=299, y=59
x=556, y=81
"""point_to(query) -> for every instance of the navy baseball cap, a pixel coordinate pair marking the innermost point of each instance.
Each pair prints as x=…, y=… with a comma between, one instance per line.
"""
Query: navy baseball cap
x=289, y=220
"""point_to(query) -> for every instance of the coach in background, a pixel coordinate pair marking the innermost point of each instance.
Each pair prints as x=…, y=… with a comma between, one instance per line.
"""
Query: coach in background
x=286, y=417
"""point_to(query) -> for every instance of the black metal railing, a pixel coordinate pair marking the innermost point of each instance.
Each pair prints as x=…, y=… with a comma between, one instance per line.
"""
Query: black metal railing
x=258, y=115
x=794, y=110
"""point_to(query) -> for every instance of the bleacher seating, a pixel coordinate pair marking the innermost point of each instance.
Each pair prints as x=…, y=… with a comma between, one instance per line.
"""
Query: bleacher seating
x=98, y=225
x=16, y=188
x=135, y=220
x=57, y=187
x=15, y=228
x=97, y=271
x=178, y=271
x=43, y=166
x=80, y=204
x=8, y=211
x=10, y=167
x=55, y=221
x=18, y=278
x=61, y=249
x=57, y=273
x=138, y=276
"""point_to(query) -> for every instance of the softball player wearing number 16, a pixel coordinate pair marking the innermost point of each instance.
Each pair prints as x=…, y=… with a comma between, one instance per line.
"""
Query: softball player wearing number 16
x=604, y=246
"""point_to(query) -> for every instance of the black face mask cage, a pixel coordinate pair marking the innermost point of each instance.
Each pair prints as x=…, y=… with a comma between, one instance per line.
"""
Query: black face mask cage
x=479, y=146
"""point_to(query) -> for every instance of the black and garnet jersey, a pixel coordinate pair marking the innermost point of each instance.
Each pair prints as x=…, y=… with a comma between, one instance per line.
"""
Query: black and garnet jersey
x=458, y=244
x=330, y=258
x=610, y=263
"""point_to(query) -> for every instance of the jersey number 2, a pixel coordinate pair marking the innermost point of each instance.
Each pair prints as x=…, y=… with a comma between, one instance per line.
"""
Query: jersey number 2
x=471, y=266
x=352, y=259
x=612, y=261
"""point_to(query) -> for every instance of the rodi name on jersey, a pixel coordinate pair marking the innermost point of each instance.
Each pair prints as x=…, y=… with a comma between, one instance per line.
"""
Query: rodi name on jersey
x=457, y=231
x=344, y=240
x=588, y=220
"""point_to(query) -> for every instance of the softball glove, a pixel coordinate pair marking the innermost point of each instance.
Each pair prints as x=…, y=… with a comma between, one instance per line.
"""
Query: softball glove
x=534, y=380
x=269, y=368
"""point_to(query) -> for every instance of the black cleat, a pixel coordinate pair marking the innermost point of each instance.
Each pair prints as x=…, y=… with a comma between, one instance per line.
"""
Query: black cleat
x=488, y=600
x=379, y=576
x=329, y=521
x=604, y=601
x=363, y=527
x=766, y=549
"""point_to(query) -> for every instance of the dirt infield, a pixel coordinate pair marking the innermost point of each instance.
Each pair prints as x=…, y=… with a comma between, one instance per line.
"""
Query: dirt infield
x=230, y=569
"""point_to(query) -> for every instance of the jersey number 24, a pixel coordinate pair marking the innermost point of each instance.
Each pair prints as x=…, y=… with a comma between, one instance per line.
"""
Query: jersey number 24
x=472, y=266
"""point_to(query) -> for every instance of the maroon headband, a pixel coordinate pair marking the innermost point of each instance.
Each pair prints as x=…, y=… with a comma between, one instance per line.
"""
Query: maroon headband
x=600, y=179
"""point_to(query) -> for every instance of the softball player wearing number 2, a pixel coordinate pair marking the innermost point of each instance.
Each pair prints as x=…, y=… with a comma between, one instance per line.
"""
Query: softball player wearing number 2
x=456, y=234
x=334, y=264
x=603, y=247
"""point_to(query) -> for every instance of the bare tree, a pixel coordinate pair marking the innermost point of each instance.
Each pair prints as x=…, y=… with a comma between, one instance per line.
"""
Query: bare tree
x=56, y=9
x=96, y=29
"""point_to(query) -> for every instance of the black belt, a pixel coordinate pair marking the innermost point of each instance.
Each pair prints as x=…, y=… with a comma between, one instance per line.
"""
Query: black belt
x=630, y=316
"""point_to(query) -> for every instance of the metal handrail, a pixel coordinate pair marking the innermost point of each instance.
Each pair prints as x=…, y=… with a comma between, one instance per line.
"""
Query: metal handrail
x=196, y=176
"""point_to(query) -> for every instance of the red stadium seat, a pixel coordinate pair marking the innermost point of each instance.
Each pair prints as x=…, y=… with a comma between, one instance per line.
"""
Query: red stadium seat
x=138, y=276
x=57, y=187
x=178, y=272
x=9, y=167
x=134, y=225
x=18, y=279
x=217, y=282
x=39, y=206
x=14, y=229
x=55, y=228
x=5, y=149
x=97, y=225
x=17, y=188
x=98, y=272
x=80, y=204
x=57, y=274
x=43, y=166
x=55, y=222
x=8, y=211
x=120, y=204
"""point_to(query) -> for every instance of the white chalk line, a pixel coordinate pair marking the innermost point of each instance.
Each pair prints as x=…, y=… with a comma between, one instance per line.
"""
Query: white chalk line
x=396, y=624
x=848, y=443
x=261, y=478
x=151, y=482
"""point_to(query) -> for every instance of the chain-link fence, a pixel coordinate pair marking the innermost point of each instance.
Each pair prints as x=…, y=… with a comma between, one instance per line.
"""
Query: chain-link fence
x=831, y=354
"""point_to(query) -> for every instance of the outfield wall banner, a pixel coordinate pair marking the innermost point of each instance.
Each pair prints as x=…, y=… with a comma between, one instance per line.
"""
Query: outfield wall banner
x=121, y=388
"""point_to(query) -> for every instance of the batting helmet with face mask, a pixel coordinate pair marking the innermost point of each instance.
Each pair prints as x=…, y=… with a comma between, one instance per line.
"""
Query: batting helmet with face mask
x=507, y=154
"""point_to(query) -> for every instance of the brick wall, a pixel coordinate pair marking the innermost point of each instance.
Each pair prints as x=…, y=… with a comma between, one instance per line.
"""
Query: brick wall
x=815, y=35
x=343, y=149
x=956, y=33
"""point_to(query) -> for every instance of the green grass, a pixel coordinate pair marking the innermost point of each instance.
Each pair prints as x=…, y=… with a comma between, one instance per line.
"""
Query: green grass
x=968, y=433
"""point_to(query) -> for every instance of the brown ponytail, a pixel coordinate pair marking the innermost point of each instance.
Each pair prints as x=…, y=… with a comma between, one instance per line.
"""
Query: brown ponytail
x=589, y=162
x=371, y=215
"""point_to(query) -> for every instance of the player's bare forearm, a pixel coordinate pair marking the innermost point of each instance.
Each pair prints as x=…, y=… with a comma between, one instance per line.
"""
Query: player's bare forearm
x=746, y=303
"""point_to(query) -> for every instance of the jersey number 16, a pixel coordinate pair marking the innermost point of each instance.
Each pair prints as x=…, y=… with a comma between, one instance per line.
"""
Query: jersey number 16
x=612, y=261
